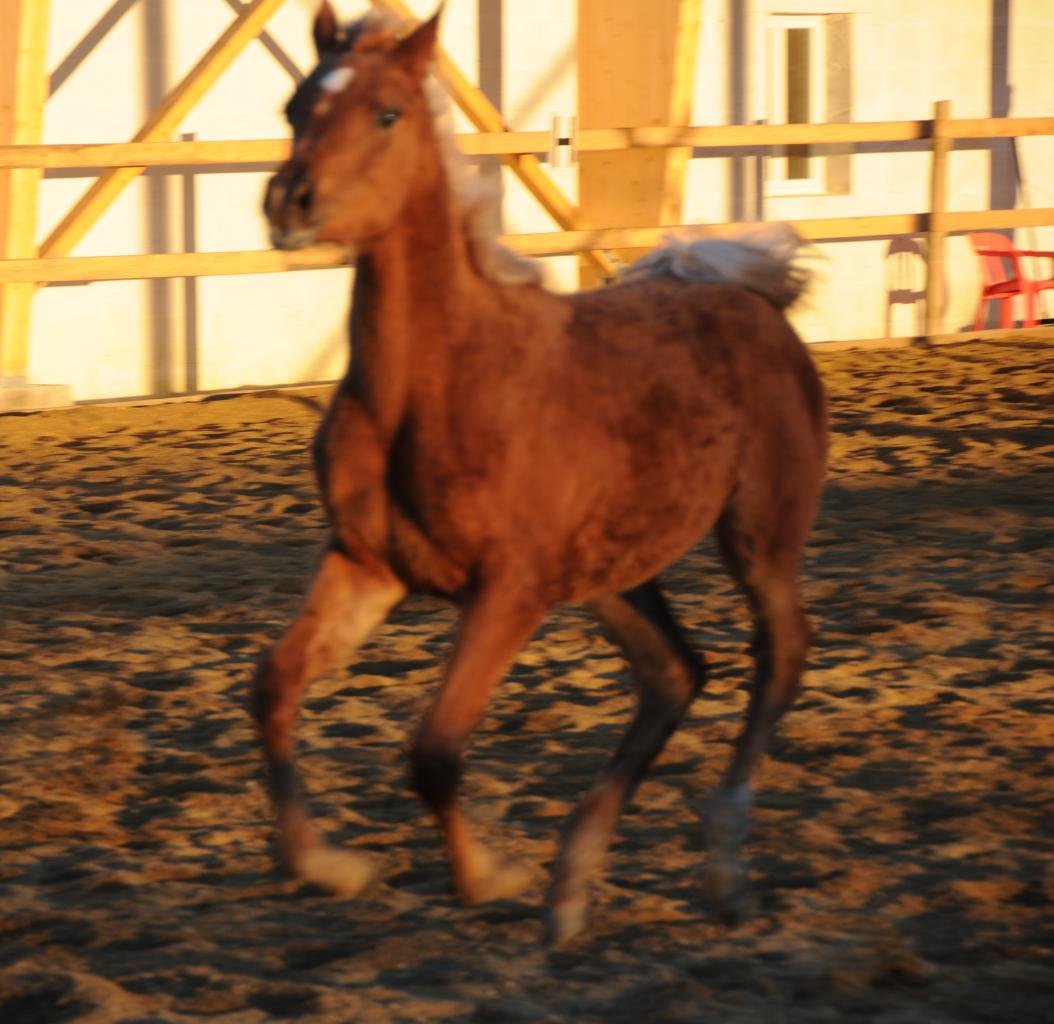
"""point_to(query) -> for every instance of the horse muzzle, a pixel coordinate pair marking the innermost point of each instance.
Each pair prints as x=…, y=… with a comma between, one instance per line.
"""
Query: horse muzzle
x=283, y=238
x=289, y=206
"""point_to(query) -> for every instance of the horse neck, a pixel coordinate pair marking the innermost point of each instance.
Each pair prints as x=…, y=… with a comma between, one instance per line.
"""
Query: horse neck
x=409, y=285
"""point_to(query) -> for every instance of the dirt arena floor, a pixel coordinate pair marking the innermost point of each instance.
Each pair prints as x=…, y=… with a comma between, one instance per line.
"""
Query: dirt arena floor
x=904, y=828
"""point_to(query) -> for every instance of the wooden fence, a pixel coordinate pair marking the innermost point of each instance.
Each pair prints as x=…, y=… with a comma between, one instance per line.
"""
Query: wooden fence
x=936, y=222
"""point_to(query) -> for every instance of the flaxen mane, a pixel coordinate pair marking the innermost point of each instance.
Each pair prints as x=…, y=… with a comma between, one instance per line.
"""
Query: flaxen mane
x=480, y=201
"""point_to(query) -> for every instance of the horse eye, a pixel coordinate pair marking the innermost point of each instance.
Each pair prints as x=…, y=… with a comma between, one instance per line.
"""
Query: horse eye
x=386, y=118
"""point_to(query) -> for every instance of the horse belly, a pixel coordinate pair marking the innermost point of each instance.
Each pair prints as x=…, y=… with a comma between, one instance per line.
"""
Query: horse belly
x=637, y=530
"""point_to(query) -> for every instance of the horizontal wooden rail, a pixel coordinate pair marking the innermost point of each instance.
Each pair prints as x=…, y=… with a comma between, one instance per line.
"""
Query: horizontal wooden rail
x=985, y=220
x=548, y=243
x=998, y=127
x=145, y=154
x=731, y=136
x=203, y=154
x=187, y=264
x=256, y=151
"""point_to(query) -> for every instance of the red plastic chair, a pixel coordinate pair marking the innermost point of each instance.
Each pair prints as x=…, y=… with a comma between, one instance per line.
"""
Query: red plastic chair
x=1003, y=278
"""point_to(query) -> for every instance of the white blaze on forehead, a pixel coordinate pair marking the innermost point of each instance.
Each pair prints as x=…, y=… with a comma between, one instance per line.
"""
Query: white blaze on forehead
x=337, y=80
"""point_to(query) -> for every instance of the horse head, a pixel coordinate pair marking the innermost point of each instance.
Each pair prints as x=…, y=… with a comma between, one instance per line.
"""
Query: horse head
x=358, y=121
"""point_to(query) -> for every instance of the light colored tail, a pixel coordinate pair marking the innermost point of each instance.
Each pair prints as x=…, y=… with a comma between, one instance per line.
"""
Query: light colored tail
x=765, y=260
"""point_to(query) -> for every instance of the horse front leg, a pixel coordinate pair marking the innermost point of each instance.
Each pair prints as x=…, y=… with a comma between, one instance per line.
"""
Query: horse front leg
x=668, y=674
x=346, y=601
x=495, y=625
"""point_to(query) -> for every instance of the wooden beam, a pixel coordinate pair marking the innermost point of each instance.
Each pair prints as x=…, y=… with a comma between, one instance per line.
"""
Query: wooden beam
x=23, y=92
x=628, y=72
x=161, y=265
x=987, y=220
x=272, y=151
x=829, y=229
x=727, y=136
x=163, y=121
x=935, y=235
x=548, y=243
x=682, y=90
x=997, y=127
x=174, y=155
x=526, y=166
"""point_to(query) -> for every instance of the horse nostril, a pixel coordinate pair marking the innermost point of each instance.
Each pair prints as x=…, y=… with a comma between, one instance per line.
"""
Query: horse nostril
x=301, y=194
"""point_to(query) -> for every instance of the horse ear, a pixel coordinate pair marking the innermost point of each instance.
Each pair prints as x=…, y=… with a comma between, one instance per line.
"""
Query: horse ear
x=325, y=30
x=418, y=48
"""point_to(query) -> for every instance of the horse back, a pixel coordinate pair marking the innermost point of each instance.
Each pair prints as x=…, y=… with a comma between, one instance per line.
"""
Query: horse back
x=603, y=436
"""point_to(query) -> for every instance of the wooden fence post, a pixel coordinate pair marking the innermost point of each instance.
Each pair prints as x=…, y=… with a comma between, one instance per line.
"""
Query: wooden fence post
x=23, y=91
x=636, y=68
x=935, y=236
x=685, y=59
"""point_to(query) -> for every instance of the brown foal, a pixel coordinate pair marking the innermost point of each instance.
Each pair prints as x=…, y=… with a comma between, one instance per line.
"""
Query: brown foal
x=511, y=448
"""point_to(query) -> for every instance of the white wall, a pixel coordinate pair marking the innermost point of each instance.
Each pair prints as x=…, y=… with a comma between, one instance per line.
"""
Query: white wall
x=131, y=338
x=122, y=339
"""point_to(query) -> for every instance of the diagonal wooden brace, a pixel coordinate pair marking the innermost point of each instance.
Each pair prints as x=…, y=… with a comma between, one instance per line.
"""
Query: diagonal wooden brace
x=161, y=123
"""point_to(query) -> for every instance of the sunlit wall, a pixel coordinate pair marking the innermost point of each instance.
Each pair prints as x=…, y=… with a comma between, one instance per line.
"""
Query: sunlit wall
x=111, y=62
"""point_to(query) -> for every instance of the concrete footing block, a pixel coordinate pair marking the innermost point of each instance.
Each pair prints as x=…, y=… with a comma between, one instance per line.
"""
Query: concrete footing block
x=18, y=396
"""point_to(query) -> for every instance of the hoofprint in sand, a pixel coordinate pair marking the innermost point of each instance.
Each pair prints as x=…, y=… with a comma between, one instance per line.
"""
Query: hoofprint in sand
x=903, y=829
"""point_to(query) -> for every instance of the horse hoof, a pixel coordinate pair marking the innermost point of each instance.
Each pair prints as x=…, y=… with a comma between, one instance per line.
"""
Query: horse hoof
x=729, y=892
x=565, y=921
x=504, y=880
x=343, y=873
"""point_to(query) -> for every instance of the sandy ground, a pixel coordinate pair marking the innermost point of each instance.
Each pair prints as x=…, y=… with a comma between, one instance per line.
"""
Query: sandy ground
x=904, y=827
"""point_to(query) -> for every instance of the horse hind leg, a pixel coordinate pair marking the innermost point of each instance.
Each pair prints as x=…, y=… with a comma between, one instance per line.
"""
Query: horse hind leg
x=668, y=674
x=761, y=543
x=345, y=603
